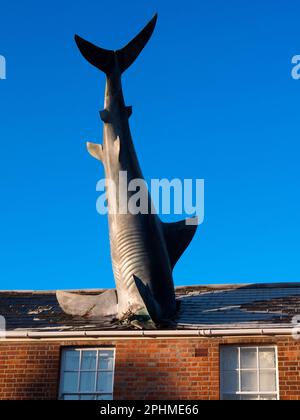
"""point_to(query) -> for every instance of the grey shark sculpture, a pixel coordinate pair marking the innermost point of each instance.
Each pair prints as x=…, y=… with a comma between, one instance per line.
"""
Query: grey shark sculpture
x=144, y=250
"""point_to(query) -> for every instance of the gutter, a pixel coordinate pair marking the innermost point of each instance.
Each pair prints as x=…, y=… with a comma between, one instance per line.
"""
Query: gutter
x=146, y=334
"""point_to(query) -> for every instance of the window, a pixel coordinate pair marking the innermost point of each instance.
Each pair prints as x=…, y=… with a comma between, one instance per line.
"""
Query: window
x=87, y=374
x=249, y=373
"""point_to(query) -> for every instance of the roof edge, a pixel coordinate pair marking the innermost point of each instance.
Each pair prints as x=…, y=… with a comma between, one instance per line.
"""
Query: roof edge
x=213, y=332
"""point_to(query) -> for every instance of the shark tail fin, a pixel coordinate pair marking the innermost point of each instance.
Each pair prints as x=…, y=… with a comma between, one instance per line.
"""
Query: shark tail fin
x=98, y=57
x=105, y=60
x=128, y=54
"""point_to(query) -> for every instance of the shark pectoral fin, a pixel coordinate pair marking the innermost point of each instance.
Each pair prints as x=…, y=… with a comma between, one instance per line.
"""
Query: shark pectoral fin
x=95, y=150
x=178, y=237
x=90, y=306
x=151, y=305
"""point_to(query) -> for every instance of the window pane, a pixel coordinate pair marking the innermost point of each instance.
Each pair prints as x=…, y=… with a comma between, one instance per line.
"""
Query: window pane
x=87, y=382
x=268, y=397
x=70, y=380
x=106, y=360
x=253, y=375
x=71, y=397
x=104, y=382
x=249, y=381
x=104, y=397
x=87, y=374
x=88, y=361
x=267, y=381
x=230, y=381
x=267, y=358
x=248, y=358
x=231, y=397
x=87, y=397
x=72, y=360
x=249, y=397
x=229, y=358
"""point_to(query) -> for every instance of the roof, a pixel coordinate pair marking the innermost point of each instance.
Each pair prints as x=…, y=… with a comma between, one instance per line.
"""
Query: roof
x=200, y=307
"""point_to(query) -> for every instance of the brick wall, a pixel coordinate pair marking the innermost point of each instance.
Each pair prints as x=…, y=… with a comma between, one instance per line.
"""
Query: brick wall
x=145, y=369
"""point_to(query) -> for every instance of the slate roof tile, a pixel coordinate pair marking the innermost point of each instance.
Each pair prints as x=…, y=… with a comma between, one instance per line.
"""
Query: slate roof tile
x=223, y=306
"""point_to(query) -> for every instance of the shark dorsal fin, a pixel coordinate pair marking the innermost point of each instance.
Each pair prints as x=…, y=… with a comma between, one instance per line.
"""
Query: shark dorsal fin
x=95, y=150
x=178, y=236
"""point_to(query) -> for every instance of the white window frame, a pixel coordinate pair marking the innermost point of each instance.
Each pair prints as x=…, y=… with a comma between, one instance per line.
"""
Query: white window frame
x=224, y=392
x=82, y=350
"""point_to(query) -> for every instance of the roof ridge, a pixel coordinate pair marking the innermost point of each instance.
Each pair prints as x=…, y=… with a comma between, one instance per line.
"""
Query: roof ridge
x=217, y=286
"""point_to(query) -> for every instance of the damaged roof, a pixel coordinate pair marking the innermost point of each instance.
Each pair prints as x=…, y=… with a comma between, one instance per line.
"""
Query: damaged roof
x=199, y=307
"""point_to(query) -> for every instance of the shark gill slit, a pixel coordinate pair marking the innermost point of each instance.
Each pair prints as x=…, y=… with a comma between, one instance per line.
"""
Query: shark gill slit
x=131, y=254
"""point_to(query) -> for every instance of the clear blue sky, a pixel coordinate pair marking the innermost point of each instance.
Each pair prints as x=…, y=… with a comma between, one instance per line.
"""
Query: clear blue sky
x=213, y=98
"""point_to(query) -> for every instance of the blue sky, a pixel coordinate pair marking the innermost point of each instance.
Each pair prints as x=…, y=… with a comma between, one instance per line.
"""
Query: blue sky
x=212, y=98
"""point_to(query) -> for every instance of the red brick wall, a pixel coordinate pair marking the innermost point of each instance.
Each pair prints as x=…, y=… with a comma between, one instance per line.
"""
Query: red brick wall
x=29, y=371
x=145, y=369
x=289, y=369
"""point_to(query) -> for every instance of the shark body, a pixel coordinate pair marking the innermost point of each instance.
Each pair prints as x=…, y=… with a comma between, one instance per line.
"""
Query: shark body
x=144, y=250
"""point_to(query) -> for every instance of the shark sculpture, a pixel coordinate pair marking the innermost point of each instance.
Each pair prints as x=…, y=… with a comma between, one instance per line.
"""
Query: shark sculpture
x=144, y=250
